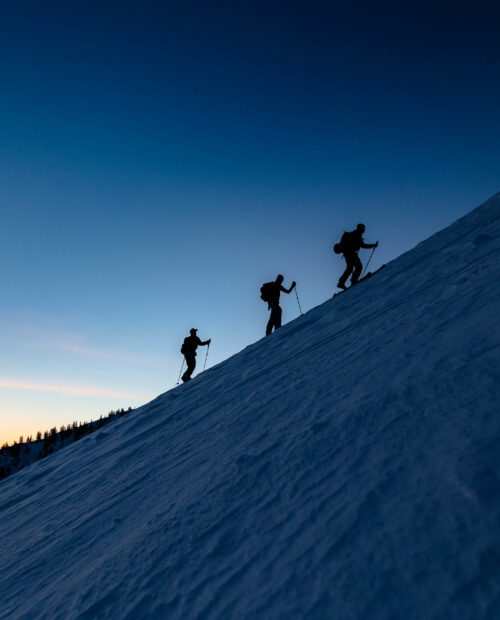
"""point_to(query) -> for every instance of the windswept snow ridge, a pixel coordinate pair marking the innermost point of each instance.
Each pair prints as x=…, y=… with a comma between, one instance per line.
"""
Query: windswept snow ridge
x=345, y=467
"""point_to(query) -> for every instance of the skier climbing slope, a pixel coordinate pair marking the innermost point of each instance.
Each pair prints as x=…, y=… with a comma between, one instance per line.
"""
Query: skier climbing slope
x=349, y=246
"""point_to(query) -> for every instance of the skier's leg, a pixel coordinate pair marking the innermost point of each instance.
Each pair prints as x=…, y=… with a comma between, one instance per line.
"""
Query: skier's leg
x=357, y=270
x=185, y=376
x=348, y=270
x=269, y=327
x=191, y=365
x=274, y=320
x=277, y=318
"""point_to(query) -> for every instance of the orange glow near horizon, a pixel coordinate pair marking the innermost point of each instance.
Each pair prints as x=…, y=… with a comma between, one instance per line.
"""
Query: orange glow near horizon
x=30, y=406
x=68, y=389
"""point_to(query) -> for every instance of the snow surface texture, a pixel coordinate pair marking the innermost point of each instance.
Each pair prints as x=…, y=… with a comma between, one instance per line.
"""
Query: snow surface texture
x=345, y=467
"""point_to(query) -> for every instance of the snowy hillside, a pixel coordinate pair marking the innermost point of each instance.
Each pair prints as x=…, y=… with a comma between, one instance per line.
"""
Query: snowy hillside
x=346, y=467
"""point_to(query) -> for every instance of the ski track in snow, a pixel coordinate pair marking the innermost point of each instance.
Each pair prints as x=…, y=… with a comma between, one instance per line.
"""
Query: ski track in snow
x=345, y=467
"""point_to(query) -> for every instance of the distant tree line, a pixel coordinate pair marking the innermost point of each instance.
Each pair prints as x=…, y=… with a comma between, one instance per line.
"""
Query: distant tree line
x=26, y=451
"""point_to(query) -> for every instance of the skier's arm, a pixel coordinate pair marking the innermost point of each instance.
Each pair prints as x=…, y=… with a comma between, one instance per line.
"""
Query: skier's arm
x=206, y=342
x=369, y=246
x=288, y=290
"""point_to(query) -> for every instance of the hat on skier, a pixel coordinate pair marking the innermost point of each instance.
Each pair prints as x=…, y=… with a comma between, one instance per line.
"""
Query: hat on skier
x=361, y=227
x=193, y=331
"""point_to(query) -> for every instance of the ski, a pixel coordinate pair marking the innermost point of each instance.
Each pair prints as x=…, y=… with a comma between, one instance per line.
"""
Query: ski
x=366, y=277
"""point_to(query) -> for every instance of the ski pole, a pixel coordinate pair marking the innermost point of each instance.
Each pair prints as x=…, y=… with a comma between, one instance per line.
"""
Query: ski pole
x=182, y=366
x=297, y=296
x=206, y=357
x=366, y=266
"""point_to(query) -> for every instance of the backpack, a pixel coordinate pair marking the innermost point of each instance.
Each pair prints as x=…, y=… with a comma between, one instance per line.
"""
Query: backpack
x=344, y=243
x=185, y=347
x=266, y=291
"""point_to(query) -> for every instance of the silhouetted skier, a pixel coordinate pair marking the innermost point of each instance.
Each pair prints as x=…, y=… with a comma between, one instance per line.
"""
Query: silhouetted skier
x=188, y=349
x=349, y=246
x=270, y=292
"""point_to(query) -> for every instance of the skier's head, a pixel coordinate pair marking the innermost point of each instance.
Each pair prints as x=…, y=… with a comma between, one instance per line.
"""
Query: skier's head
x=193, y=331
x=279, y=279
x=361, y=228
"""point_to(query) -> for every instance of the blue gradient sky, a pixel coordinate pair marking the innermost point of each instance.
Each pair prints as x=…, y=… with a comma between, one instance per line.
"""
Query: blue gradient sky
x=160, y=160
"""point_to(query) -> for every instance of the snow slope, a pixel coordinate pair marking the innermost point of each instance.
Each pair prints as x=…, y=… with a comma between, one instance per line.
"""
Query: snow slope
x=345, y=467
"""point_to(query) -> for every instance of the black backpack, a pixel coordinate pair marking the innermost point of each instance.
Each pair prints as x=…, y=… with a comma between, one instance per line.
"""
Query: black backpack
x=344, y=243
x=266, y=291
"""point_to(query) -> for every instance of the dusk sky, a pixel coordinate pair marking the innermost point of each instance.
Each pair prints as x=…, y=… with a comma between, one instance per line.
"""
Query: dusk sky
x=159, y=161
